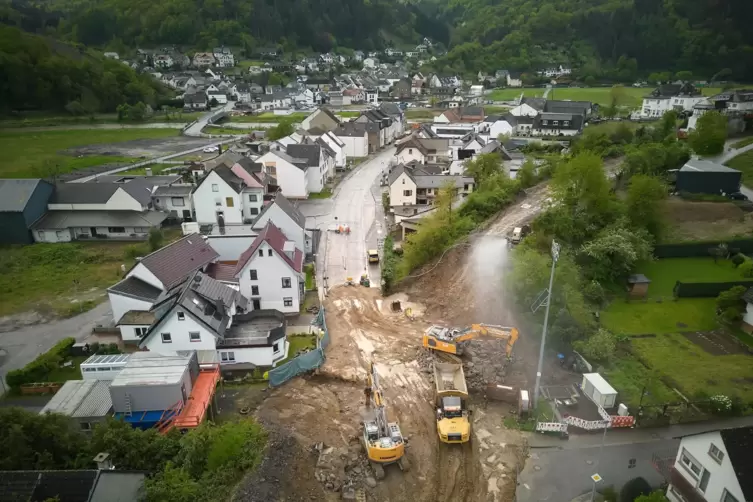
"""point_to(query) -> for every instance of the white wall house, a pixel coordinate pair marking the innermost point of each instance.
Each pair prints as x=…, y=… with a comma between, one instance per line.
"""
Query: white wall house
x=290, y=178
x=713, y=466
x=222, y=195
x=355, y=140
x=402, y=190
x=337, y=146
x=501, y=126
x=287, y=218
x=680, y=97
x=270, y=272
x=524, y=110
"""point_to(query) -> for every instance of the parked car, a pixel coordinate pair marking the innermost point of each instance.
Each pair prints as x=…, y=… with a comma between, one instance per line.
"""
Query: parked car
x=211, y=149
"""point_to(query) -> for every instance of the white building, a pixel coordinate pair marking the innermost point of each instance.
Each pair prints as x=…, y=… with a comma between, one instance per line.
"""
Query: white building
x=224, y=57
x=338, y=148
x=407, y=188
x=175, y=200
x=288, y=219
x=372, y=96
x=355, y=139
x=713, y=466
x=301, y=169
x=524, y=110
x=424, y=151
x=230, y=195
x=270, y=272
x=678, y=97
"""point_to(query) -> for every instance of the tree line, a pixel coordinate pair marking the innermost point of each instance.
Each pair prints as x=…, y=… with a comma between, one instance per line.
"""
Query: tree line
x=37, y=73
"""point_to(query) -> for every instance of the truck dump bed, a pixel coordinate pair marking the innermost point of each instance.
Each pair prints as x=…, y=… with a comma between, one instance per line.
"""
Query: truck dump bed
x=450, y=379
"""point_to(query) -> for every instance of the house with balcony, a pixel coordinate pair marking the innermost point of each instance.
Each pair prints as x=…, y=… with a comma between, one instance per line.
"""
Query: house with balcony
x=681, y=97
x=736, y=104
x=232, y=194
x=714, y=466
x=413, y=190
x=423, y=150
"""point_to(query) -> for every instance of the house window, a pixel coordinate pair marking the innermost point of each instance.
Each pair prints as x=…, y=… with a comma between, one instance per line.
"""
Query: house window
x=166, y=338
x=727, y=497
x=555, y=122
x=716, y=453
x=544, y=122
x=194, y=336
x=269, y=252
x=140, y=332
x=215, y=187
x=286, y=282
x=288, y=301
x=261, y=253
x=59, y=234
x=566, y=123
x=227, y=357
x=40, y=234
x=85, y=426
x=410, y=151
x=116, y=230
x=218, y=202
x=181, y=316
x=255, y=290
x=407, y=193
x=229, y=201
x=252, y=197
x=252, y=275
x=177, y=201
x=276, y=347
x=253, y=210
x=691, y=464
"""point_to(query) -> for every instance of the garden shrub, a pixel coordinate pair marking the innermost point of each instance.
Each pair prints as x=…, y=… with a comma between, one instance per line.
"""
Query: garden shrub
x=39, y=368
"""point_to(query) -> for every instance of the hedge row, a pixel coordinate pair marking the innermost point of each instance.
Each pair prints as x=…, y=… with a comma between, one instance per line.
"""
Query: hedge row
x=698, y=249
x=706, y=289
x=40, y=368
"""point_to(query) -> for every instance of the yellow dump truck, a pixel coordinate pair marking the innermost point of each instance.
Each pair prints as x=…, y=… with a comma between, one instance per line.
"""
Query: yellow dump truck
x=453, y=415
x=373, y=255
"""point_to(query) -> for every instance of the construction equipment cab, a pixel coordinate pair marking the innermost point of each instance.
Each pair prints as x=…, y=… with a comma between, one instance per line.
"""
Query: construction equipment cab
x=453, y=416
x=382, y=440
x=373, y=255
x=517, y=235
x=454, y=340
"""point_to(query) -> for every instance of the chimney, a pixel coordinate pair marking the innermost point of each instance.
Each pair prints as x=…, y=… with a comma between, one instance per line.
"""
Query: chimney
x=103, y=461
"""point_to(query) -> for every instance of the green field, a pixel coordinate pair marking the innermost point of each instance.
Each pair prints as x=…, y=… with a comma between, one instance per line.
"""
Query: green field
x=298, y=342
x=629, y=376
x=47, y=120
x=248, y=62
x=268, y=117
x=156, y=169
x=744, y=164
x=639, y=318
x=743, y=142
x=664, y=273
x=421, y=114
x=25, y=153
x=513, y=93
x=212, y=129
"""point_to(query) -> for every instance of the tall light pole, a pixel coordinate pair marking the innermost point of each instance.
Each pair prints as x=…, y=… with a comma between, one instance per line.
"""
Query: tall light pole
x=555, y=257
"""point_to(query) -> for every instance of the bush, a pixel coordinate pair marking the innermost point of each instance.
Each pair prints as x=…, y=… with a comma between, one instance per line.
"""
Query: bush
x=594, y=293
x=133, y=251
x=634, y=488
x=155, y=239
x=388, y=266
x=39, y=368
x=738, y=259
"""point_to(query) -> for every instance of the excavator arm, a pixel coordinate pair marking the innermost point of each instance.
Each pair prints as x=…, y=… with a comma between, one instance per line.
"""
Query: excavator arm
x=491, y=330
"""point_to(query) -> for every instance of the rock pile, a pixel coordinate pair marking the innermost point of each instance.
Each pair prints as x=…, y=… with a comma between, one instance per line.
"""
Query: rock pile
x=344, y=470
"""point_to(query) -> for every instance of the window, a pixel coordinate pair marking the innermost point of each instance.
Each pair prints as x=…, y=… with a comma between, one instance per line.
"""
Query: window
x=252, y=275
x=407, y=193
x=181, y=316
x=716, y=453
x=218, y=202
x=286, y=282
x=255, y=290
x=276, y=347
x=227, y=357
x=704, y=481
x=166, y=338
x=566, y=123
x=252, y=197
x=253, y=210
x=726, y=497
x=691, y=464
x=410, y=150
x=40, y=234
x=103, y=368
x=269, y=252
x=59, y=234
x=288, y=302
x=229, y=201
x=85, y=426
x=544, y=122
x=215, y=187
x=194, y=336
x=177, y=201
x=116, y=230
x=261, y=253
x=140, y=331
x=555, y=122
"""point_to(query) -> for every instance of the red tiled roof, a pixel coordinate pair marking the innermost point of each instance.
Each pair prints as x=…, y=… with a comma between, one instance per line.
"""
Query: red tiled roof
x=222, y=271
x=274, y=237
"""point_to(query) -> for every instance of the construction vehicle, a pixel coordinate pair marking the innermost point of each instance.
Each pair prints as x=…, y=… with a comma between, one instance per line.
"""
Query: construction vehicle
x=453, y=415
x=365, y=281
x=454, y=340
x=517, y=235
x=373, y=255
x=382, y=440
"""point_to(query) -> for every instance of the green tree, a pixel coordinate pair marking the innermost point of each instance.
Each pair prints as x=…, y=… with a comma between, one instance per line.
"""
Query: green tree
x=657, y=496
x=156, y=238
x=668, y=124
x=174, y=485
x=613, y=253
x=137, y=113
x=643, y=204
x=710, y=134
x=599, y=347
x=684, y=75
x=282, y=129
x=617, y=98
x=482, y=167
x=132, y=448
x=527, y=174
x=635, y=488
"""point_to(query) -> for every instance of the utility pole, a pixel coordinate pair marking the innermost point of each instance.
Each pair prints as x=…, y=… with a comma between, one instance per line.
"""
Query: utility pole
x=536, y=390
x=596, y=478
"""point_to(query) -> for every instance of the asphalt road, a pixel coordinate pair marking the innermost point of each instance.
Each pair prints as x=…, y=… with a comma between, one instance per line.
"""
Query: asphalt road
x=356, y=203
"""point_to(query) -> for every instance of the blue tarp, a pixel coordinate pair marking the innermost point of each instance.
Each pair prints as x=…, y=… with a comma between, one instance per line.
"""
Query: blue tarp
x=305, y=362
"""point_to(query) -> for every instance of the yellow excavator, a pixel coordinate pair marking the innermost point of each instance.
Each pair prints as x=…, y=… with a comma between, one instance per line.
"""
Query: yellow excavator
x=454, y=340
x=382, y=440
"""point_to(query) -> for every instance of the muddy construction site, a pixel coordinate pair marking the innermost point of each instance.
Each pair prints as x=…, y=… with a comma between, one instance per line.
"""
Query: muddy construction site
x=324, y=412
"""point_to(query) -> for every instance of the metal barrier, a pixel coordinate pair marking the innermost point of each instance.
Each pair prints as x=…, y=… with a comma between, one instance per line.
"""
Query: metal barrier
x=305, y=362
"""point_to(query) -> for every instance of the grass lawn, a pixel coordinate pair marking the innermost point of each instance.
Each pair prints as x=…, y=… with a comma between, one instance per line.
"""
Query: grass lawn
x=638, y=318
x=71, y=372
x=743, y=142
x=268, y=117
x=496, y=110
x=296, y=343
x=212, y=129
x=421, y=114
x=156, y=169
x=324, y=194
x=694, y=369
x=248, y=62
x=310, y=277
x=41, y=277
x=512, y=93
x=611, y=126
x=744, y=164
x=664, y=273
x=629, y=376
x=47, y=120
x=25, y=152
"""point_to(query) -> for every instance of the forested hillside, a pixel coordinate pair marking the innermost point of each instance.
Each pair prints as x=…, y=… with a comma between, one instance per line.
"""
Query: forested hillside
x=700, y=36
x=41, y=74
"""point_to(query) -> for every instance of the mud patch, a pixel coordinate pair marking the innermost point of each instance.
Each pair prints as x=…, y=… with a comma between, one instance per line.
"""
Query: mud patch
x=717, y=342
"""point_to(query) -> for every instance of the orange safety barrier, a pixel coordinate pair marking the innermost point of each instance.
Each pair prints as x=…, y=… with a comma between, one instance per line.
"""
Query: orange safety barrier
x=197, y=404
x=618, y=421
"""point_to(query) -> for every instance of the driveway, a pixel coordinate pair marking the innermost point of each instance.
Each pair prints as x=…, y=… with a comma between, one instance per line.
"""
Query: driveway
x=20, y=347
x=729, y=154
x=356, y=203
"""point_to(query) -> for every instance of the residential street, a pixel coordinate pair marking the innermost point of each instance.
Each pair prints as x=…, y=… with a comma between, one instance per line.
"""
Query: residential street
x=24, y=345
x=356, y=203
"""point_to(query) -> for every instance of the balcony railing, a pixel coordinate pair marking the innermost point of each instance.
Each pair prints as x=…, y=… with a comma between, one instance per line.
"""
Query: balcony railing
x=684, y=487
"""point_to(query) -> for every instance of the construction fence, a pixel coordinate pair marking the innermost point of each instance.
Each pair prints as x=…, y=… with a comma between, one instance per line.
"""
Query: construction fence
x=305, y=362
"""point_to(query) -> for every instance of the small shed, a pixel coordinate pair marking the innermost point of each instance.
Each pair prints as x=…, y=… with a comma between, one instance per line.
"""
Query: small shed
x=86, y=401
x=638, y=285
x=598, y=390
x=103, y=367
x=702, y=176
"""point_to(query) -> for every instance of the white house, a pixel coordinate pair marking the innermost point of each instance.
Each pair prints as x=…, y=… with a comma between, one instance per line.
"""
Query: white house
x=242, y=92
x=407, y=188
x=713, y=466
x=370, y=63
x=337, y=146
x=291, y=174
x=372, y=96
x=270, y=272
x=502, y=125
x=288, y=219
x=514, y=80
x=174, y=200
x=203, y=314
x=524, y=110
x=157, y=272
x=224, y=57
x=355, y=139
x=230, y=195
x=679, y=97
x=304, y=97
x=424, y=151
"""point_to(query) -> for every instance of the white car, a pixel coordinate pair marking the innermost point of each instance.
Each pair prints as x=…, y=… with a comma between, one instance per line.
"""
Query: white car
x=211, y=149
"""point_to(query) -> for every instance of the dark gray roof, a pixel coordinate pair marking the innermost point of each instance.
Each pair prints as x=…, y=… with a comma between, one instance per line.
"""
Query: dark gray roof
x=174, y=262
x=15, y=193
x=198, y=97
x=70, y=219
x=38, y=486
x=638, y=279
x=118, y=486
x=287, y=207
x=537, y=103
x=325, y=147
x=84, y=193
x=554, y=106
x=738, y=443
x=396, y=172
x=705, y=166
x=136, y=288
x=308, y=153
x=351, y=129
x=575, y=121
x=390, y=109
x=438, y=181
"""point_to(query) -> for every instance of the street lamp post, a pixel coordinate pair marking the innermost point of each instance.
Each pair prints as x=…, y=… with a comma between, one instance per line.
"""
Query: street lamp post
x=596, y=478
x=536, y=390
